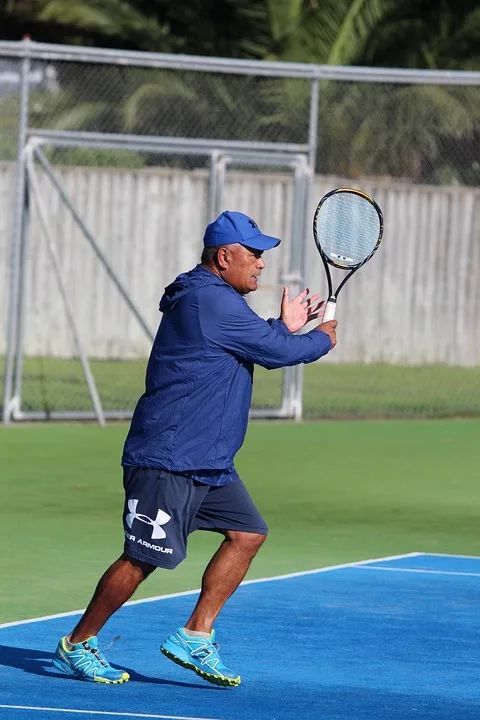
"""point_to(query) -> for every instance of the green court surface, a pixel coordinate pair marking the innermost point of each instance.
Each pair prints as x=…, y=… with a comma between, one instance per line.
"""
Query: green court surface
x=331, y=492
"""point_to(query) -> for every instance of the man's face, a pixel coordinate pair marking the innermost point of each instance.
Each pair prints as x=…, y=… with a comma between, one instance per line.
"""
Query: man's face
x=241, y=267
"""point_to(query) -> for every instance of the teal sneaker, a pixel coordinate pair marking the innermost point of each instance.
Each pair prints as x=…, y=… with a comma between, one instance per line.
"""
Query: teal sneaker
x=200, y=655
x=85, y=662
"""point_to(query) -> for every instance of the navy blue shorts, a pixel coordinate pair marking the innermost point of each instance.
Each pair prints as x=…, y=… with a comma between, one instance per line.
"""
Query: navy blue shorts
x=163, y=508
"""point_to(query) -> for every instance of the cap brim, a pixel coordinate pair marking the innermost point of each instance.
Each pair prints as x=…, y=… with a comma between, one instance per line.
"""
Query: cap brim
x=262, y=242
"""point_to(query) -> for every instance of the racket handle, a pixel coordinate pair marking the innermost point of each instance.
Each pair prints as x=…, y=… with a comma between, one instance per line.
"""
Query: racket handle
x=330, y=308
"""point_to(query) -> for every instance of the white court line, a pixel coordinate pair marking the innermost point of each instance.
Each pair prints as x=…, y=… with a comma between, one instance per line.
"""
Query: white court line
x=466, y=557
x=417, y=570
x=301, y=573
x=102, y=712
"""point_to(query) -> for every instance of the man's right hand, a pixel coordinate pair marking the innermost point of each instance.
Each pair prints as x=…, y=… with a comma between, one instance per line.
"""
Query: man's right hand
x=329, y=329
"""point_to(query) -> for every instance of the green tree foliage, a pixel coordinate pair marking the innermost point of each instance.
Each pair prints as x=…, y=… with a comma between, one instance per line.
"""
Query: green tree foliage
x=206, y=27
x=432, y=34
x=365, y=127
x=101, y=23
x=442, y=34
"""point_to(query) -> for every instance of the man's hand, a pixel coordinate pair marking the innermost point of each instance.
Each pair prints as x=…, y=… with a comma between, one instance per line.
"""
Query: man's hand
x=329, y=329
x=298, y=312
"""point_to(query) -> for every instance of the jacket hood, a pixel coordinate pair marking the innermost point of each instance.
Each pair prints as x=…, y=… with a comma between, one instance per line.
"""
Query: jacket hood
x=185, y=283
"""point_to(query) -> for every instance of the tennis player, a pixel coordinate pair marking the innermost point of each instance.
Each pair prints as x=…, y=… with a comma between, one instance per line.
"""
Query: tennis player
x=178, y=458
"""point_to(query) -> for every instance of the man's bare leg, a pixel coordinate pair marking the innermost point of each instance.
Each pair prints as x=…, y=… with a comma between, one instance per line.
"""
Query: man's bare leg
x=222, y=576
x=114, y=588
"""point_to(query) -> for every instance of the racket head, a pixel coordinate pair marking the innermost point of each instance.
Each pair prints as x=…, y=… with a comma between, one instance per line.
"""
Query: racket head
x=347, y=228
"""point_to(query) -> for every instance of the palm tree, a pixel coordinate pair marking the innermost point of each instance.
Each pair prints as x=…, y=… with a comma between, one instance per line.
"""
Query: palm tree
x=123, y=24
x=386, y=129
x=433, y=34
x=411, y=33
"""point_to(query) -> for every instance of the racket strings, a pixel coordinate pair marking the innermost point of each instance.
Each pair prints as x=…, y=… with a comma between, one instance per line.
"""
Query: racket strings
x=347, y=229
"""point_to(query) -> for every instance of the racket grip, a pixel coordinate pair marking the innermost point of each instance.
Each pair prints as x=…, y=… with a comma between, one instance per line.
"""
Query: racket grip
x=330, y=308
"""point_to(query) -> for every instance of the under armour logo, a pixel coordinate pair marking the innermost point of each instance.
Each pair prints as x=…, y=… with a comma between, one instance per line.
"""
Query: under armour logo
x=252, y=223
x=162, y=517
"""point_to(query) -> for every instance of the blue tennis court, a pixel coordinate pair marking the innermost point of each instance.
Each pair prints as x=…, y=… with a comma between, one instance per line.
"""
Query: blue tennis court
x=392, y=638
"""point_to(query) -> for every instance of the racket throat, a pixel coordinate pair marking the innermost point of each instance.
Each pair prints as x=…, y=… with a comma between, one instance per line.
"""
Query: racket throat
x=330, y=308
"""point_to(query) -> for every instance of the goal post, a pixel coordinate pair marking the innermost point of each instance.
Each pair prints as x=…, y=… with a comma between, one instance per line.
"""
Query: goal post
x=67, y=248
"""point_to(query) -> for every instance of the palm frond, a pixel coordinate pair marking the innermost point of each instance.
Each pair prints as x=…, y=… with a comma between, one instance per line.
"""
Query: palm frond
x=362, y=17
x=80, y=116
x=168, y=88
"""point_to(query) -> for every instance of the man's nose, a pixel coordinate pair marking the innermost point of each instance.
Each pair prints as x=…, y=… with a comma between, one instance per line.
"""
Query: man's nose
x=260, y=263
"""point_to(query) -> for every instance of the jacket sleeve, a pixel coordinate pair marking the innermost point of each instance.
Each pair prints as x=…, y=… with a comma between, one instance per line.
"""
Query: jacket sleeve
x=228, y=322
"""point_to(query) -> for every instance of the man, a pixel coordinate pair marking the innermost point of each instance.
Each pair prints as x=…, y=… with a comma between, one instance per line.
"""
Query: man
x=178, y=459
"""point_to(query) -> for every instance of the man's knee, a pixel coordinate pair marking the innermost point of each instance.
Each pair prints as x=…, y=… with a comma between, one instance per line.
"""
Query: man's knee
x=247, y=542
x=138, y=567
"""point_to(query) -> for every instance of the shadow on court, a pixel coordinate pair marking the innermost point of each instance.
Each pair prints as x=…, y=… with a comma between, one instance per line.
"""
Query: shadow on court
x=37, y=662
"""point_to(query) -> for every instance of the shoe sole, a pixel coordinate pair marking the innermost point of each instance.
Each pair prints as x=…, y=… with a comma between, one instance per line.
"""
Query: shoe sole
x=214, y=679
x=85, y=678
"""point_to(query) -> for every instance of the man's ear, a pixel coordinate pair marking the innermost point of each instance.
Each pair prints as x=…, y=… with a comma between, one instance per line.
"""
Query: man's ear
x=223, y=258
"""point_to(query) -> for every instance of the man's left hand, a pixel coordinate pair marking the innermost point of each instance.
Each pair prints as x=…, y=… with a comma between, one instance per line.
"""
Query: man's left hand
x=298, y=312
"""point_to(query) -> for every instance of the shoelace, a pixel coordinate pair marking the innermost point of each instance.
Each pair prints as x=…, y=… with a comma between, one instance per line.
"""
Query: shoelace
x=98, y=653
x=107, y=647
x=205, y=651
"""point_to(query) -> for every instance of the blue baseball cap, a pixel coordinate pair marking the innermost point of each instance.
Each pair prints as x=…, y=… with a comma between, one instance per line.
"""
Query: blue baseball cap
x=235, y=227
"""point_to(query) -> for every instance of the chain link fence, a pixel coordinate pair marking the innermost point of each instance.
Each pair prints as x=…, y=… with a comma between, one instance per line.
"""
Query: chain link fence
x=172, y=103
x=412, y=131
x=137, y=141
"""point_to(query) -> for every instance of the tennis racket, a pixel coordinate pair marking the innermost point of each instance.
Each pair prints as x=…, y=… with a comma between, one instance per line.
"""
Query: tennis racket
x=348, y=229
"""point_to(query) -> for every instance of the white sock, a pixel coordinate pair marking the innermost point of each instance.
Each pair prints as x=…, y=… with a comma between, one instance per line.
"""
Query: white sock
x=196, y=633
x=69, y=645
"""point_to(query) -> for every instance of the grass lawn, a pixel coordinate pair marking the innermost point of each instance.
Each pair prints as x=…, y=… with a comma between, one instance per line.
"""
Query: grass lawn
x=330, y=391
x=331, y=492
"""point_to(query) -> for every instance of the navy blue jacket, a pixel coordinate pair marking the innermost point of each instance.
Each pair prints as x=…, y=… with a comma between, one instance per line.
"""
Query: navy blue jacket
x=192, y=417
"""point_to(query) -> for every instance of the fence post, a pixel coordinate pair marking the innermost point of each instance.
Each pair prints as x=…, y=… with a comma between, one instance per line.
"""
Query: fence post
x=17, y=238
x=313, y=125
